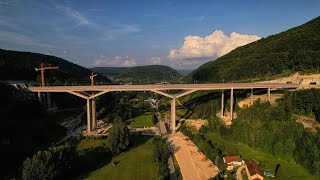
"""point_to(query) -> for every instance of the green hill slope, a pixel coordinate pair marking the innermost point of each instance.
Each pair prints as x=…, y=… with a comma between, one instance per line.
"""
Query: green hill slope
x=141, y=74
x=297, y=49
x=16, y=65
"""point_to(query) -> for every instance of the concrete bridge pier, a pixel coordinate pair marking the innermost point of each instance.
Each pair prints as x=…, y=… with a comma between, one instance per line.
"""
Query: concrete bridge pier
x=89, y=112
x=45, y=99
x=222, y=103
x=39, y=97
x=49, y=104
x=269, y=95
x=91, y=115
x=173, y=115
x=251, y=96
x=94, y=116
x=231, y=104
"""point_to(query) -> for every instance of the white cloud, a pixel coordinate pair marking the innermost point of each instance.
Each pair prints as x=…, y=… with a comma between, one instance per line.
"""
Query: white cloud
x=116, y=61
x=7, y=2
x=196, y=49
x=194, y=19
x=154, y=60
x=111, y=31
x=76, y=16
x=120, y=30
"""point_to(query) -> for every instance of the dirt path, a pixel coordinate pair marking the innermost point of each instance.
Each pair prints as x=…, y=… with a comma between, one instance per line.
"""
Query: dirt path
x=307, y=122
x=189, y=159
x=263, y=97
x=239, y=175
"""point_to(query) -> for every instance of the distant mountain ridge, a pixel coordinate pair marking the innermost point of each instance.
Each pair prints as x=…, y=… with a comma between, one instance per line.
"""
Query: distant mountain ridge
x=15, y=65
x=295, y=50
x=142, y=74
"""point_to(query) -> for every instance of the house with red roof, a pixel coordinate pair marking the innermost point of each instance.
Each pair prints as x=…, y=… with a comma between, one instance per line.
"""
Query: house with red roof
x=253, y=170
x=232, y=161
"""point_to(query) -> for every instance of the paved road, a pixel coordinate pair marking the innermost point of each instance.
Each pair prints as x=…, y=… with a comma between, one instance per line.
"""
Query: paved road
x=153, y=87
x=239, y=175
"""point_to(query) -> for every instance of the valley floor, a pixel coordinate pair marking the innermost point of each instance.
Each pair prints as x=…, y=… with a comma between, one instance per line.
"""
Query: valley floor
x=136, y=163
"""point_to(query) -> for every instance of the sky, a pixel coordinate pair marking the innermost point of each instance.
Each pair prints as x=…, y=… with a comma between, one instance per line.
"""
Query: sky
x=182, y=34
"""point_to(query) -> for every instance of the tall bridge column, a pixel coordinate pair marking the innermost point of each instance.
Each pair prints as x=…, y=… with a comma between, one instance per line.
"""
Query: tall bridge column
x=231, y=104
x=173, y=115
x=48, y=100
x=89, y=115
x=222, y=103
x=251, y=96
x=39, y=97
x=269, y=97
x=94, y=117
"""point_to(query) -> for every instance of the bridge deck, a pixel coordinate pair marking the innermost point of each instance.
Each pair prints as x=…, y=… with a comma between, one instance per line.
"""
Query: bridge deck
x=151, y=87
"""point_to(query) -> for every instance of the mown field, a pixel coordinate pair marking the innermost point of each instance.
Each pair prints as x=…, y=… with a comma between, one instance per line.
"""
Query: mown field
x=144, y=120
x=136, y=163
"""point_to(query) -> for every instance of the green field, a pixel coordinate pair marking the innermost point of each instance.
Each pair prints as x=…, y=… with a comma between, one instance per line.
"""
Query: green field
x=90, y=143
x=267, y=161
x=144, y=120
x=136, y=163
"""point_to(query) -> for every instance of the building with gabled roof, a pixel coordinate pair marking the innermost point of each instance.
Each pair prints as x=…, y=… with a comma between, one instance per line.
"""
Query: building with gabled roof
x=232, y=161
x=253, y=170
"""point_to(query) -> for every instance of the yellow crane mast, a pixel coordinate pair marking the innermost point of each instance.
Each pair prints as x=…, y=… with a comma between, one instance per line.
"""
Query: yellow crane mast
x=92, y=78
x=42, y=69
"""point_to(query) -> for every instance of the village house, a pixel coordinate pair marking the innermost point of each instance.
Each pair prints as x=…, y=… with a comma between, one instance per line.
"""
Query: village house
x=233, y=161
x=253, y=170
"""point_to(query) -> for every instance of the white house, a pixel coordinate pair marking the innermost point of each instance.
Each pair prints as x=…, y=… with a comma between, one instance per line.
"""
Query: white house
x=233, y=161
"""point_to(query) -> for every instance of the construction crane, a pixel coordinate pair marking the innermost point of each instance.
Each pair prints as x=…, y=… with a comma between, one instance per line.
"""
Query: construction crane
x=42, y=69
x=92, y=78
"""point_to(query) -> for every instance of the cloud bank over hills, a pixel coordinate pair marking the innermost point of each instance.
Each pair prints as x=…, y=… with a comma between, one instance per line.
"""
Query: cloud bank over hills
x=196, y=49
x=116, y=61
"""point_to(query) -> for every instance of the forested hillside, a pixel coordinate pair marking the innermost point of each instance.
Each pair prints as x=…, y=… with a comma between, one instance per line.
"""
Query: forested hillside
x=141, y=74
x=263, y=130
x=16, y=65
x=297, y=49
x=25, y=128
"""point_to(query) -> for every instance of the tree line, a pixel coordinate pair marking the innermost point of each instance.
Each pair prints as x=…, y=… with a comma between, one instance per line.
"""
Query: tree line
x=66, y=162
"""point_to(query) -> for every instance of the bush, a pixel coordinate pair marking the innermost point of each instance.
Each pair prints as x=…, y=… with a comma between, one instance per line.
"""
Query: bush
x=118, y=139
x=48, y=164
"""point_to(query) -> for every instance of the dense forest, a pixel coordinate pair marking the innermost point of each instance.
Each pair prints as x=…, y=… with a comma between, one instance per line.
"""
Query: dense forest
x=295, y=50
x=304, y=102
x=140, y=74
x=16, y=65
x=25, y=128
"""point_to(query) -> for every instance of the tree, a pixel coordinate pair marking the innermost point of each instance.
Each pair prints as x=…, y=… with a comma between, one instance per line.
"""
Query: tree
x=118, y=139
x=161, y=155
x=48, y=164
x=39, y=167
x=280, y=173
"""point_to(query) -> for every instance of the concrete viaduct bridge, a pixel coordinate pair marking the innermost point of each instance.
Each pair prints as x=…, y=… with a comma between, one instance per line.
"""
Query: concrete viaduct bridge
x=91, y=92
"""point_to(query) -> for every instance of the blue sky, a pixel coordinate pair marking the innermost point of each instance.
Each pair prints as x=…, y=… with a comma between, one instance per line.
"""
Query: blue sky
x=181, y=34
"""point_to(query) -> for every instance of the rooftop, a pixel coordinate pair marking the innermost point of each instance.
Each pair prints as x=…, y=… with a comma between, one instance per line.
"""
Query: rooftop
x=253, y=168
x=229, y=159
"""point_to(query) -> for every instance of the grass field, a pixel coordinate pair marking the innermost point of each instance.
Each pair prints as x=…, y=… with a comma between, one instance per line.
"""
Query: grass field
x=142, y=121
x=90, y=143
x=267, y=161
x=136, y=163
